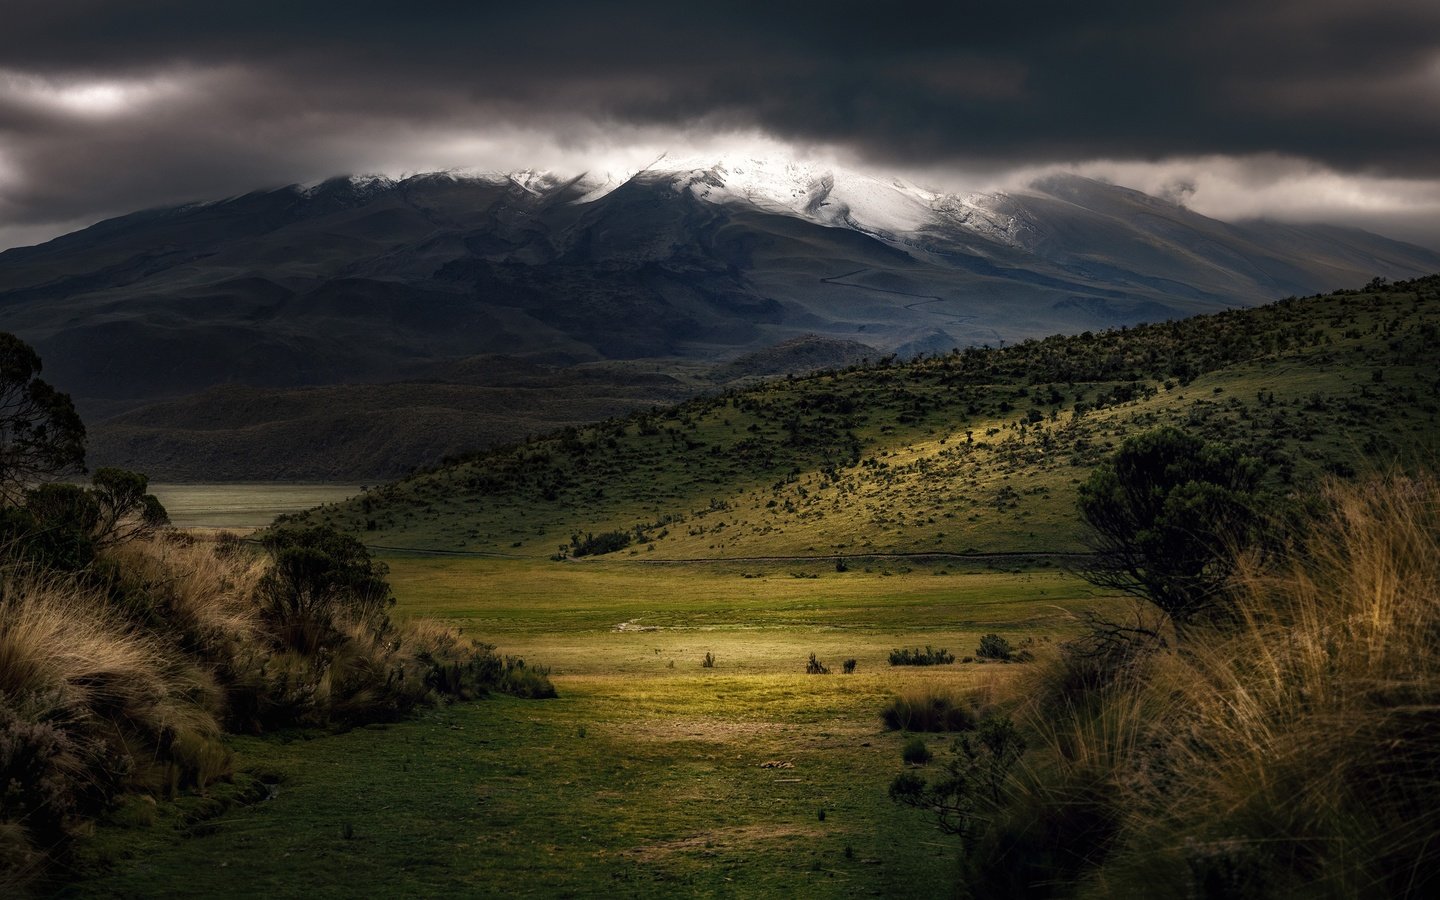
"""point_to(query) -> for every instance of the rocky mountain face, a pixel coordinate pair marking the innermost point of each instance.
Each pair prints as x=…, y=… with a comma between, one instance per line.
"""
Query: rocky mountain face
x=363, y=281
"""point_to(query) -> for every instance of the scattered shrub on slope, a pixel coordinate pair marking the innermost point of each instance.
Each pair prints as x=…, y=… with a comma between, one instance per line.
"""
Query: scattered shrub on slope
x=904, y=656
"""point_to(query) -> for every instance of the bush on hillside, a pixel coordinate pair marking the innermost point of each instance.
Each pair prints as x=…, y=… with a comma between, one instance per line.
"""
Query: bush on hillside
x=118, y=678
x=993, y=646
x=89, y=707
x=597, y=544
x=323, y=584
x=63, y=526
x=1166, y=515
x=917, y=657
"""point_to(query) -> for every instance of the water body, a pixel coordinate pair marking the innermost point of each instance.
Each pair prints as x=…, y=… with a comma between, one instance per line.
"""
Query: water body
x=243, y=506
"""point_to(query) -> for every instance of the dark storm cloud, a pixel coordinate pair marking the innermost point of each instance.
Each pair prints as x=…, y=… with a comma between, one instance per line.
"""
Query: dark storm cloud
x=218, y=96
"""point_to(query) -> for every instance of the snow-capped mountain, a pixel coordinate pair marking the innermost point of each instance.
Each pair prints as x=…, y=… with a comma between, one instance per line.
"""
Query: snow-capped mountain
x=364, y=278
x=887, y=207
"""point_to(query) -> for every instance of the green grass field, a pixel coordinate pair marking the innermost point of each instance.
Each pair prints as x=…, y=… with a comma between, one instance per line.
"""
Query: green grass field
x=243, y=507
x=647, y=776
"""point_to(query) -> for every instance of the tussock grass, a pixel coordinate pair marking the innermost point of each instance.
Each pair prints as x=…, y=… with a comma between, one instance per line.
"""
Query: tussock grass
x=1296, y=754
x=89, y=707
x=930, y=708
x=199, y=592
x=122, y=678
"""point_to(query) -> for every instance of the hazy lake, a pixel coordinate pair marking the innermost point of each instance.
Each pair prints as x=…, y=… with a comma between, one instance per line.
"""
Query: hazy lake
x=243, y=506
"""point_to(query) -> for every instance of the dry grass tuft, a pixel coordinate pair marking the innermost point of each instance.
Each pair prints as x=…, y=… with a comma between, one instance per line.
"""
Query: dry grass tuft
x=90, y=706
x=1296, y=754
x=118, y=678
x=931, y=707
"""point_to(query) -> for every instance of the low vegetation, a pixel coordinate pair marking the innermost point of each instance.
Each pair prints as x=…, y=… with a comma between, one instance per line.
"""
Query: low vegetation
x=1285, y=749
x=928, y=657
x=121, y=679
x=929, y=708
x=617, y=782
x=127, y=654
x=993, y=646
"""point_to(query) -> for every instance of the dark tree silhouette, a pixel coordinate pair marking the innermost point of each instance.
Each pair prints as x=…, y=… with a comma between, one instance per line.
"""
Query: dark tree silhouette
x=1166, y=514
x=41, y=435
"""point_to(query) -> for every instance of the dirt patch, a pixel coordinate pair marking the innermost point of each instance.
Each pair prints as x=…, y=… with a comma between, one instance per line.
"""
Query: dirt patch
x=632, y=626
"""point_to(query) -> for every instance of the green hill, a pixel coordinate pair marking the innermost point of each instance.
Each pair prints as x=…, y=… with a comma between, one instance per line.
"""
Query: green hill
x=977, y=451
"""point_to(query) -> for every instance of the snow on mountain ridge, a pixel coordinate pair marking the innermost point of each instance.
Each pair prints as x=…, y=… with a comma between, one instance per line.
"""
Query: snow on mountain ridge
x=830, y=195
x=888, y=208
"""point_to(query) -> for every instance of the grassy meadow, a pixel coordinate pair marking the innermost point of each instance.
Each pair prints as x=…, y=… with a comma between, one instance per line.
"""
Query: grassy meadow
x=242, y=507
x=648, y=774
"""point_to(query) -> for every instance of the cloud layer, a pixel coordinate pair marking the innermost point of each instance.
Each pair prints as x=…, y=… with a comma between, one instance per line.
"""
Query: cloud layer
x=108, y=106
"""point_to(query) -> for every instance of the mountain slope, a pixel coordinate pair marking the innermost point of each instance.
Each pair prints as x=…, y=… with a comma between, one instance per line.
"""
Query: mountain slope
x=976, y=451
x=369, y=280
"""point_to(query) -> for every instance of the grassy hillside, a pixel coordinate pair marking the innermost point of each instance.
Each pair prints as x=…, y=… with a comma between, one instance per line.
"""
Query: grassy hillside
x=976, y=451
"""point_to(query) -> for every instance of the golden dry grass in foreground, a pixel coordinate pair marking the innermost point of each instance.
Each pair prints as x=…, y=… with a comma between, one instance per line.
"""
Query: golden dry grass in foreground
x=1295, y=755
x=120, y=678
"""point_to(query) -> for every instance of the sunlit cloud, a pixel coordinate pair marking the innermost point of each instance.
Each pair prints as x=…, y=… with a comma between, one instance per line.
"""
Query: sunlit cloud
x=94, y=99
x=593, y=147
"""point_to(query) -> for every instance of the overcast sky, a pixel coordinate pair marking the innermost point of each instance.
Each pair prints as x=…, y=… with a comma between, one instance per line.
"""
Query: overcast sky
x=1297, y=109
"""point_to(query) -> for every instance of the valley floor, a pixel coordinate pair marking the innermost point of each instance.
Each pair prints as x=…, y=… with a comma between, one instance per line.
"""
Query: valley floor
x=651, y=774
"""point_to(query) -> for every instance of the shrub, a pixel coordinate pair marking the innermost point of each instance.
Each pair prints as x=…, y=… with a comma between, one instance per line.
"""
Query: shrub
x=970, y=789
x=322, y=583
x=596, y=544
x=63, y=526
x=1165, y=516
x=709, y=661
x=848, y=667
x=993, y=646
x=918, y=657
x=928, y=709
x=1290, y=751
x=815, y=667
x=915, y=752
x=529, y=682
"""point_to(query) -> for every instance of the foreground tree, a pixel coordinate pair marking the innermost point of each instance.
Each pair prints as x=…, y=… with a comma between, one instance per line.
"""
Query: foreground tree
x=1165, y=516
x=41, y=435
